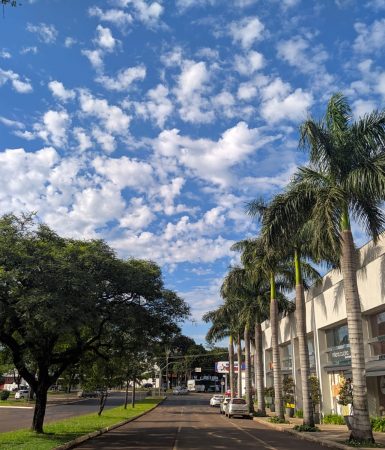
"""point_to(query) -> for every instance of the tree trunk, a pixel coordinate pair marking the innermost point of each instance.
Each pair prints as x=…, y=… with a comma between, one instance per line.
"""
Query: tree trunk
x=249, y=396
x=231, y=363
x=361, y=422
x=259, y=384
x=102, y=403
x=40, y=407
x=300, y=316
x=133, y=394
x=239, y=355
x=126, y=396
x=277, y=375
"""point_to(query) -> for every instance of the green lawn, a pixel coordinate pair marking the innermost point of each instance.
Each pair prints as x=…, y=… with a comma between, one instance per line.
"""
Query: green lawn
x=21, y=402
x=58, y=433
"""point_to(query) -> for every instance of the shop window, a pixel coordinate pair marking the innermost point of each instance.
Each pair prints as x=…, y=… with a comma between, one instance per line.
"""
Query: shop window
x=377, y=332
x=337, y=336
x=286, y=356
x=310, y=346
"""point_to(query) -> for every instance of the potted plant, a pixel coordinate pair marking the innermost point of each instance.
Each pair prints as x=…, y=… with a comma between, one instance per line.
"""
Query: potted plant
x=345, y=398
x=315, y=395
x=269, y=398
x=288, y=395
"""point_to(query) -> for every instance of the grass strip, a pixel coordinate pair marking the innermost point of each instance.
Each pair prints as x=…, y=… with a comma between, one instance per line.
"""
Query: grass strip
x=58, y=433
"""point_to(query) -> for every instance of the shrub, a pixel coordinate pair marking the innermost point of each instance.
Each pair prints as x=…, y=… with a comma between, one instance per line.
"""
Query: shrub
x=305, y=428
x=299, y=414
x=4, y=395
x=259, y=414
x=276, y=419
x=334, y=419
x=378, y=424
x=360, y=444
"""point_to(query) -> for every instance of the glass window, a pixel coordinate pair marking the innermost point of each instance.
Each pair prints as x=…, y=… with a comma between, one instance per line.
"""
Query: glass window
x=286, y=356
x=310, y=346
x=337, y=336
x=377, y=330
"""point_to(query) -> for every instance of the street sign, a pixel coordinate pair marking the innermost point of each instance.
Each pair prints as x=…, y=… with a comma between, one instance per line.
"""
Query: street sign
x=222, y=383
x=198, y=369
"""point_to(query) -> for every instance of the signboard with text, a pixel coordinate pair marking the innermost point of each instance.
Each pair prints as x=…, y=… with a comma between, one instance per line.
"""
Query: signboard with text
x=224, y=367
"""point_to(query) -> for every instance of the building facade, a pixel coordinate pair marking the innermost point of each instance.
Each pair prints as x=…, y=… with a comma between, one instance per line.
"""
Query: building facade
x=328, y=336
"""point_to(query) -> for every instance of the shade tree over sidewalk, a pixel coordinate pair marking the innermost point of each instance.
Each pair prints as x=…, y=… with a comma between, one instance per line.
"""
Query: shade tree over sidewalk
x=61, y=298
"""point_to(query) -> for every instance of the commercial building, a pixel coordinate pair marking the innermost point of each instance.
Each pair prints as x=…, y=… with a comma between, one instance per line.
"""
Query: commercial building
x=328, y=337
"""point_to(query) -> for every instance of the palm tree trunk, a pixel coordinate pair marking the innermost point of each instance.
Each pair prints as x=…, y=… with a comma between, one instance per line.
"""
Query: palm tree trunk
x=300, y=316
x=277, y=375
x=231, y=363
x=249, y=396
x=258, y=364
x=361, y=423
x=239, y=353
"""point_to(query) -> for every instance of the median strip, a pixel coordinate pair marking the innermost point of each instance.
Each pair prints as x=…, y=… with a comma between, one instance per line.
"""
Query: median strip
x=66, y=433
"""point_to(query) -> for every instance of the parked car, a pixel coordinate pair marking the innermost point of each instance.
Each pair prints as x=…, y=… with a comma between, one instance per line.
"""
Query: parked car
x=22, y=393
x=216, y=400
x=223, y=404
x=180, y=390
x=91, y=394
x=237, y=407
x=147, y=385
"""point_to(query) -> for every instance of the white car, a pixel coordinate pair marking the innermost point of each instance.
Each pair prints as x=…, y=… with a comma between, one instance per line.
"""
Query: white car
x=216, y=400
x=22, y=393
x=180, y=391
x=237, y=407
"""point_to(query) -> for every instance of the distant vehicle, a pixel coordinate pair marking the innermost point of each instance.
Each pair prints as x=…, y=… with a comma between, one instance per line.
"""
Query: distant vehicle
x=216, y=400
x=195, y=386
x=223, y=404
x=147, y=385
x=180, y=390
x=237, y=407
x=22, y=393
x=90, y=394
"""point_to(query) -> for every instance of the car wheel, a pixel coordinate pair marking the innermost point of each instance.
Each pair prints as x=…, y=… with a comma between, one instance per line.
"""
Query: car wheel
x=230, y=416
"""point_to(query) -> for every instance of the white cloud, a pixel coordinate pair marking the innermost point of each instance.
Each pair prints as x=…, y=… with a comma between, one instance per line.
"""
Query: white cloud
x=247, y=31
x=60, y=92
x=158, y=106
x=45, y=33
x=361, y=107
x=113, y=119
x=370, y=37
x=11, y=123
x=22, y=87
x=69, y=41
x=95, y=57
x=125, y=172
x=26, y=50
x=137, y=216
x=115, y=16
x=210, y=160
x=191, y=87
x=104, y=39
x=53, y=127
x=83, y=139
x=5, y=54
x=124, y=78
x=249, y=63
x=106, y=140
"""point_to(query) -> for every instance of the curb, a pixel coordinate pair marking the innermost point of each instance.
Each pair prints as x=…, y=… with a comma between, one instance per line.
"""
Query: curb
x=304, y=436
x=87, y=437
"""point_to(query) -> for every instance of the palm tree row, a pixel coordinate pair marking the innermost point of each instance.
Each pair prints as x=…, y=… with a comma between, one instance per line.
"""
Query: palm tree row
x=343, y=180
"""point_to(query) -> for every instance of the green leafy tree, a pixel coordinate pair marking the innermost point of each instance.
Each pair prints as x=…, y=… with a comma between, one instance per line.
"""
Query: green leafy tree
x=59, y=298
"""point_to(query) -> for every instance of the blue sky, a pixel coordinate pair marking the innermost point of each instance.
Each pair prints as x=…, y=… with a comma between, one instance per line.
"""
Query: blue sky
x=152, y=123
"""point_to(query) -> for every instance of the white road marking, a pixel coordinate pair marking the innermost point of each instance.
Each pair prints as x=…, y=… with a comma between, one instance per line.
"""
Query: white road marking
x=175, y=447
x=254, y=437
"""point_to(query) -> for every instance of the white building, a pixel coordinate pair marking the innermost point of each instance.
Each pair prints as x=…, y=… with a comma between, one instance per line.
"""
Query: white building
x=328, y=339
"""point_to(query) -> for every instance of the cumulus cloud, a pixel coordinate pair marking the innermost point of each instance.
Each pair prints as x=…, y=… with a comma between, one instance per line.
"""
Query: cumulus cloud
x=53, y=127
x=157, y=106
x=370, y=37
x=95, y=57
x=5, y=54
x=249, y=63
x=45, y=33
x=104, y=39
x=60, y=92
x=148, y=13
x=247, y=31
x=210, y=160
x=123, y=79
x=115, y=16
x=19, y=85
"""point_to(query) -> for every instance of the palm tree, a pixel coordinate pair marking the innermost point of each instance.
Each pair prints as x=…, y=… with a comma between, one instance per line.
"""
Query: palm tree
x=345, y=178
x=258, y=258
x=223, y=320
x=299, y=243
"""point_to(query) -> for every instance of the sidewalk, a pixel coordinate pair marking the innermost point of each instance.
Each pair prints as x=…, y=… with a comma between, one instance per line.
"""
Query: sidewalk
x=332, y=436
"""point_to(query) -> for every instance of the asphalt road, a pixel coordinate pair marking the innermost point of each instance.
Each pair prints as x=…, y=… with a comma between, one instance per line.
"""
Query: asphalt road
x=13, y=419
x=189, y=423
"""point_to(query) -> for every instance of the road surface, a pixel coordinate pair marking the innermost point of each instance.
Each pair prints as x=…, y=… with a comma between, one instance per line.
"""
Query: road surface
x=189, y=423
x=13, y=419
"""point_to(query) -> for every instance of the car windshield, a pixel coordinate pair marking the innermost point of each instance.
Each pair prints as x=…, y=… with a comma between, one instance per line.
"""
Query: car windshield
x=239, y=401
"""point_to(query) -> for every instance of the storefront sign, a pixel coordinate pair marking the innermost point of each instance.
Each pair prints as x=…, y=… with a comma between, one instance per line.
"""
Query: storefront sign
x=224, y=366
x=341, y=356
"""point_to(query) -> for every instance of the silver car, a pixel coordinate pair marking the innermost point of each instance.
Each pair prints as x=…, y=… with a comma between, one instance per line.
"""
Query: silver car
x=223, y=404
x=216, y=400
x=237, y=407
